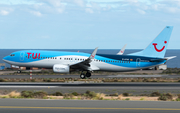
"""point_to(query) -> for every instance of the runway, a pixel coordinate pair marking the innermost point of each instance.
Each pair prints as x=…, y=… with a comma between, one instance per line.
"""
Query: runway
x=88, y=106
x=93, y=76
x=130, y=84
x=107, y=88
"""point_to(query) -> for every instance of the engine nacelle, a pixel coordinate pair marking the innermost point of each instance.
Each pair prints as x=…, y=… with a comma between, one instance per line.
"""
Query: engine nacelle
x=58, y=68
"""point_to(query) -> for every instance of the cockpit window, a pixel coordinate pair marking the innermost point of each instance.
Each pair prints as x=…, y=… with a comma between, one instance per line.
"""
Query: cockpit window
x=12, y=54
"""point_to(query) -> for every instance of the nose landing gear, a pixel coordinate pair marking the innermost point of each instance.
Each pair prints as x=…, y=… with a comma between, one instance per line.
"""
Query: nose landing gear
x=19, y=71
x=88, y=74
x=83, y=76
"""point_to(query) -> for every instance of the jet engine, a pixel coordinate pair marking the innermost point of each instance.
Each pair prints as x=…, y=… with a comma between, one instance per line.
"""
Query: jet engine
x=58, y=68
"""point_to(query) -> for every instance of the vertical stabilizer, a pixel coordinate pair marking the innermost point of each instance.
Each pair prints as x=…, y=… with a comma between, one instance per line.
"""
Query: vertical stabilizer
x=157, y=48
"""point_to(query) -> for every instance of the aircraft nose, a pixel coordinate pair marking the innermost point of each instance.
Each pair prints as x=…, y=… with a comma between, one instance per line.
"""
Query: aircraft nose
x=5, y=58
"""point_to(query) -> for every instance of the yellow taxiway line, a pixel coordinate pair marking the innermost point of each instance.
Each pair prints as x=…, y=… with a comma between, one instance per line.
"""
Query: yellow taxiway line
x=25, y=107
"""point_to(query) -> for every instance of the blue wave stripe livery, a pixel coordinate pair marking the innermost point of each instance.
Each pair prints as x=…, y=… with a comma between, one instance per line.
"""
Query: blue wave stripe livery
x=103, y=57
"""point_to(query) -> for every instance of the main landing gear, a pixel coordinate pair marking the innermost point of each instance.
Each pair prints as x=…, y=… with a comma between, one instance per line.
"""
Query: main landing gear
x=83, y=76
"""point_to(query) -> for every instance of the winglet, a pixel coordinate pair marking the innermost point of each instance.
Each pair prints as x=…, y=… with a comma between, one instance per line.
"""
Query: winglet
x=122, y=50
x=93, y=53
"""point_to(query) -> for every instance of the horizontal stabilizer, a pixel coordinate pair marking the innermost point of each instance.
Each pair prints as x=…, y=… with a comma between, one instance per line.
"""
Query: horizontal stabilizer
x=168, y=58
x=158, y=60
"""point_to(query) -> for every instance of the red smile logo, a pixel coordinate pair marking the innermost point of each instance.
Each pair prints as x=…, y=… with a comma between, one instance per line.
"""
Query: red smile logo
x=159, y=50
x=92, y=56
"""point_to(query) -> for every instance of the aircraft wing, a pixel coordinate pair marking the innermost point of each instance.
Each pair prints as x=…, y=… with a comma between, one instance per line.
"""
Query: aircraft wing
x=122, y=50
x=85, y=65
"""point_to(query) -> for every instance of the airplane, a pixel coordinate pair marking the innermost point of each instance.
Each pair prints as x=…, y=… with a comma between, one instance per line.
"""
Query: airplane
x=63, y=62
x=121, y=52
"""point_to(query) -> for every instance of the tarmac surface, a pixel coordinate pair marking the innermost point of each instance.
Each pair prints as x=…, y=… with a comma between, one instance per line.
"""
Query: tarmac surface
x=88, y=106
x=107, y=88
x=93, y=76
x=82, y=87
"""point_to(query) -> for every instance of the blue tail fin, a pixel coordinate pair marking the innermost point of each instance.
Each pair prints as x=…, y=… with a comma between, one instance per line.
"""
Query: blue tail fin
x=157, y=48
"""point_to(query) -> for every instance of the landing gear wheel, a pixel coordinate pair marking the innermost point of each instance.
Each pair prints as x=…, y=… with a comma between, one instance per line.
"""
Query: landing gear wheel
x=82, y=76
x=19, y=71
x=88, y=74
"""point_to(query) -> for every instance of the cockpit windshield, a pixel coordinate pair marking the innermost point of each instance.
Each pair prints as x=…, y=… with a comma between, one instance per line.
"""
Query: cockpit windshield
x=12, y=54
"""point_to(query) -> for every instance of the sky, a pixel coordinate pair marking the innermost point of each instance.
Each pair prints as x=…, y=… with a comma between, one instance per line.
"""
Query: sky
x=86, y=24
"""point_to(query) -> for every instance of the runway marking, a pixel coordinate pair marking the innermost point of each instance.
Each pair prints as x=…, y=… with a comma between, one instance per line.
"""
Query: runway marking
x=135, y=76
x=25, y=107
x=29, y=86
